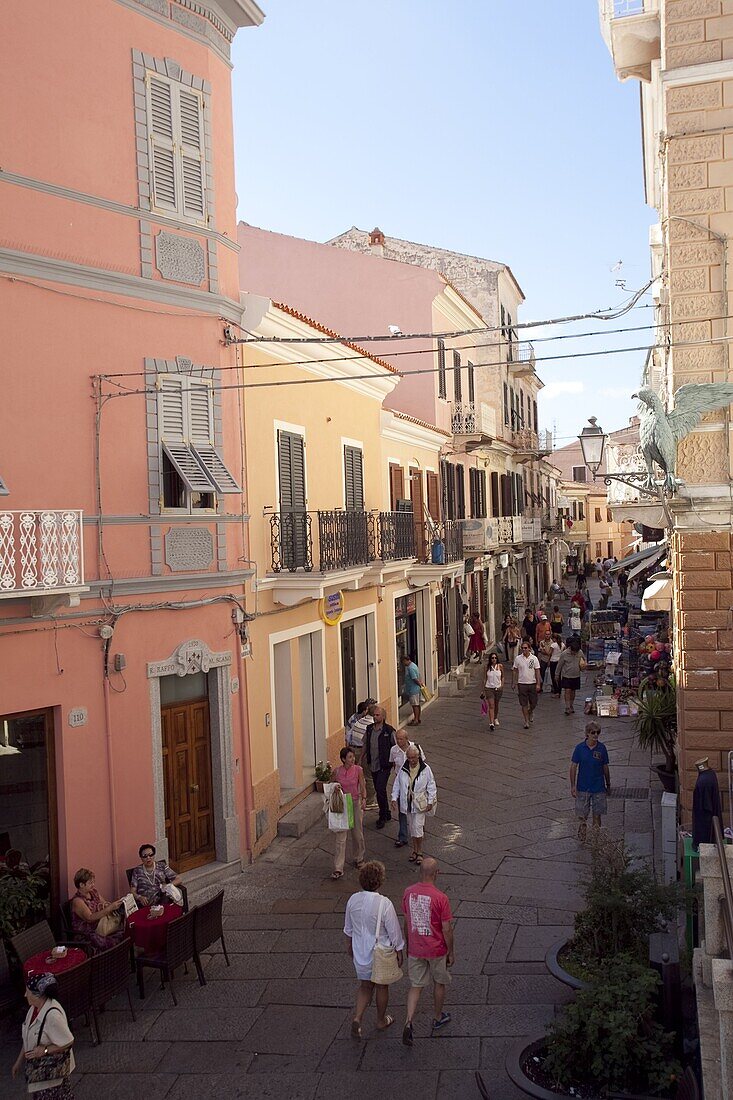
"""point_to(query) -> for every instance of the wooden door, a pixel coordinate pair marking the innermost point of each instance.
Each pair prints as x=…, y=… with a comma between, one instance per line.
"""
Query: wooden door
x=418, y=508
x=189, y=810
x=433, y=495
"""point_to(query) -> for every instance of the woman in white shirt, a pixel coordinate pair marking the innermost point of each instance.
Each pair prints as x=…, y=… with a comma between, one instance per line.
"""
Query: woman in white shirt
x=45, y=1031
x=363, y=911
x=414, y=793
x=493, y=688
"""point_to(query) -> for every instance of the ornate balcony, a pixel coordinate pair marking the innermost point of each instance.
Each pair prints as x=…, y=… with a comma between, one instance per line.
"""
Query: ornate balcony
x=521, y=359
x=41, y=553
x=341, y=541
x=631, y=30
x=509, y=530
x=392, y=535
x=473, y=422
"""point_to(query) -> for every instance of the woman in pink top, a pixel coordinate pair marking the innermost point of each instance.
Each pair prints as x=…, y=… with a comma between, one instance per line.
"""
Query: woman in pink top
x=350, y=778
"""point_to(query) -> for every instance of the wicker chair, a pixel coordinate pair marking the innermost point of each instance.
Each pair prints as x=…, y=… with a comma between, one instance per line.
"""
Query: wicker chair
x=181, y=887
x=110, y=976
x=70, y=934
x=75, y=993
x=179, y=949
x=208, y=928
x=35, y=939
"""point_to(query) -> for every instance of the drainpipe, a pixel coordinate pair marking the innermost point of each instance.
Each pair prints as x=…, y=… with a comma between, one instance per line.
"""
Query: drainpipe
x=244, y=753
x=110, y=766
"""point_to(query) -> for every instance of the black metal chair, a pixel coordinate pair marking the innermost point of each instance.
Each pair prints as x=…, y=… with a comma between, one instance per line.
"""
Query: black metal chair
x=38, y=938
x=208, y=928
x=181, y=887
x=179, y=949
x=110, y=976
x=75, y=993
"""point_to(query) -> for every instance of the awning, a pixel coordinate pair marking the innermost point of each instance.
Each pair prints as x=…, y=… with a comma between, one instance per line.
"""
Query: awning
x=658, y=595
x=649, y=562
x=641, y=556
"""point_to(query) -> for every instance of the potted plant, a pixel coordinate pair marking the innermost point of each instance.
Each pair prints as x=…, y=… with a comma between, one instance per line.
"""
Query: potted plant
x=324, y=774
x=605, y=1042
x=624, y=905
x=655, y=726
x=22, y=902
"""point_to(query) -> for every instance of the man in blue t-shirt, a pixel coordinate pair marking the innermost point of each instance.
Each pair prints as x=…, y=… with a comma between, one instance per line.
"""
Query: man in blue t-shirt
x=411, y=688
x=590, y=779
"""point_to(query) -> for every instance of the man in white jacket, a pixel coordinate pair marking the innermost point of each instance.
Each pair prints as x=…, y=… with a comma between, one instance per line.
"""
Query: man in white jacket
x=414, y=793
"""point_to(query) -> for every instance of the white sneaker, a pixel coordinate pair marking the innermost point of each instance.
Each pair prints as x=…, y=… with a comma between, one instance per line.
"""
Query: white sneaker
x=496, y=721
x=531, y=719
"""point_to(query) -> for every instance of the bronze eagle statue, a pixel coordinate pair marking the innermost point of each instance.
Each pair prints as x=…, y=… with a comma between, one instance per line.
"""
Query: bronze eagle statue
x=660, y=432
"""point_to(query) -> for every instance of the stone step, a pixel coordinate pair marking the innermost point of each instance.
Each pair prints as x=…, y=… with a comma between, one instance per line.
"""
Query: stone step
x=300, y=819
x=211, y=874
x=447, y=688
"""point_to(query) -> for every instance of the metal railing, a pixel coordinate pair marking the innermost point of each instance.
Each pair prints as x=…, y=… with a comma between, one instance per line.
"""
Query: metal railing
x=726, y=900
x=525, y=439
x=392, y=535
x=552, y=521
x=619, y=9
x=463, y=418
x=443, y=542
x=341, y=542
x=40, y=551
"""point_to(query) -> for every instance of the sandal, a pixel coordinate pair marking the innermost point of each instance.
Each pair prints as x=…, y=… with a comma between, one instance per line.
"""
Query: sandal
x=355, y=1029
x=413, y=858
x=412, y=722
x=388, y=1021
x=337, y=874
x=418, y=860
x=359, y=863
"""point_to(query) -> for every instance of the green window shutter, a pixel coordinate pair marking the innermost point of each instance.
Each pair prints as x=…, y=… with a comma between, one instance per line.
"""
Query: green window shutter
x=354, y=479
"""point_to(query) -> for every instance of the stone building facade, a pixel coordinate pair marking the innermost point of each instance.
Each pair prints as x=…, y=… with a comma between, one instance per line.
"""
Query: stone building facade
x=682, y=51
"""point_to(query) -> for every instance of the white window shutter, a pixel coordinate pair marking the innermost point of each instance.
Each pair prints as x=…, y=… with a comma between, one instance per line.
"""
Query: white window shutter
x=191, y=131
x=172, y=409
x=201, y=410
x=161, y=127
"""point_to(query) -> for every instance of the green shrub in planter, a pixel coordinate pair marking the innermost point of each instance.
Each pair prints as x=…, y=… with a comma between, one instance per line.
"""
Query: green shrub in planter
x=22, y=902
x=323, y=772
x=608, y=1038
x=624, y=905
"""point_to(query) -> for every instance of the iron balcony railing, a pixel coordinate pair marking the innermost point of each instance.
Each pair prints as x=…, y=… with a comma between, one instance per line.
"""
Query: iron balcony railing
x=392, y=535
x=324, y=541
x=463, y=418
x=443, y=542
x=552, y=521
x=41, y=552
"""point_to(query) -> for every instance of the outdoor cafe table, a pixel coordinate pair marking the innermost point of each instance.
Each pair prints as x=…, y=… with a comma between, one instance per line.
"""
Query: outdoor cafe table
x=150, y=933
x=44, y=963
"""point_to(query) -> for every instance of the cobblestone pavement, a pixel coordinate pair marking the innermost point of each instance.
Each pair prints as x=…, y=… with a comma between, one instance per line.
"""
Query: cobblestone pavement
x=276, y=1022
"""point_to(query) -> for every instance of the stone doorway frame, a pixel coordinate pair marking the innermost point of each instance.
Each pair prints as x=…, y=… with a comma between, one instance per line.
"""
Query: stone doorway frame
x=188, y=658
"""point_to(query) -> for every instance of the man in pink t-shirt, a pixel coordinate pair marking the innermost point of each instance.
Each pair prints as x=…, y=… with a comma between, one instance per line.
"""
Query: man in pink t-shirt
x=428, y=944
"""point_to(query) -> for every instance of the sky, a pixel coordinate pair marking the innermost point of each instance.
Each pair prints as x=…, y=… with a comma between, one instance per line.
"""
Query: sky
x=491, y=127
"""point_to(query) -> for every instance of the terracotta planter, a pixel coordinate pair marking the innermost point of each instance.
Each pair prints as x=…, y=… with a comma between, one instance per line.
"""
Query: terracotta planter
x=319, y=785
x=557, y=970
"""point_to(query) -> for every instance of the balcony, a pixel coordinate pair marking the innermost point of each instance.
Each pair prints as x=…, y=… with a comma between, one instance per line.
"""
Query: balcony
x=479, y=536
x=440, y=554
x=527, y=443
x=552, y=522
x=521, y=359
x=393, y=535
x=41, y=555
x=473, y=422
x=631, y=31
x=624, y=500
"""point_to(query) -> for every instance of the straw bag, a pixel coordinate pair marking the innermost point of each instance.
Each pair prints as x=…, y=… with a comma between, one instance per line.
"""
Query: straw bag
x=385, y=968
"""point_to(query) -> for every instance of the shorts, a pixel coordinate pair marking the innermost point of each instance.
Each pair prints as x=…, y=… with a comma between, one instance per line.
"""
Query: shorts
x=415, y=824
x=528, y=695
x=494, y=693
x=572, y=683
x=593, y=802
x=422, y=972
x=415, y=700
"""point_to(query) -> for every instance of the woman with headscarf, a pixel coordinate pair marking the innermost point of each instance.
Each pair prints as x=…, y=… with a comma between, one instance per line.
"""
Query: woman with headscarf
x=46, y=1053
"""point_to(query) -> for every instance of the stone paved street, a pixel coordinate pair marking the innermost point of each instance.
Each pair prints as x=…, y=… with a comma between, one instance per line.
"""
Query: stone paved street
x=276, y=1023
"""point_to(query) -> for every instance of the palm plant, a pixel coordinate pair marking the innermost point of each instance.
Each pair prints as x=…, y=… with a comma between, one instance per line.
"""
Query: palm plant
x=656, y=723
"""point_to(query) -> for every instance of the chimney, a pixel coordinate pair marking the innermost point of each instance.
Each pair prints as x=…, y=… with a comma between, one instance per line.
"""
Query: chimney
x=376, y=242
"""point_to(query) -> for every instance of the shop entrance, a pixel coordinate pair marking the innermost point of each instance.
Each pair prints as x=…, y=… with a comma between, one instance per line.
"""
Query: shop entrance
x=299, y=712
x=189, y=804
x=28, y=816
x=357, y=663
x=406, y=638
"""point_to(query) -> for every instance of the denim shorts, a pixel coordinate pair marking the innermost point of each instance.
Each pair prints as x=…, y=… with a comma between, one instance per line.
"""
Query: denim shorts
x=593, y=802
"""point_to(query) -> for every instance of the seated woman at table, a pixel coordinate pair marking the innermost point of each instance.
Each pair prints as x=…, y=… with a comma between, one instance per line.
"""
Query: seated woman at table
x=147, y=880
x=95, y=918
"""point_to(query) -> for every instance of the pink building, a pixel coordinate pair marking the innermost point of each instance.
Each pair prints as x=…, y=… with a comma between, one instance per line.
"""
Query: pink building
x=123, y=549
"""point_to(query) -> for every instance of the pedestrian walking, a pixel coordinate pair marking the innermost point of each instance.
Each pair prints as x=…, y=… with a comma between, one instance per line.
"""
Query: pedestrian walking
x=510, y=637
x=590, y=779
x=599, y=568
x=606, y=590
x=557, y=621
x=529, y=627
x=556, y=647
x=375, y=943
x=568, y=670
x=379, y=743
x=355, y=733
x=350, y=778
x=414, y=793
x=580, y=578
x=623, y=583
x=429, y=945
x=412, y=686
x=493, y=689
x=545, y=653
x=526, y=678
x=478, y=641
x=397, y=757
x=46, y=1054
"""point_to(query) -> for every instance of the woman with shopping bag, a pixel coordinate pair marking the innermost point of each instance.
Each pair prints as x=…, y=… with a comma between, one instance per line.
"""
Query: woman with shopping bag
x=414, y=793
x=375, y=943
x=349, y=780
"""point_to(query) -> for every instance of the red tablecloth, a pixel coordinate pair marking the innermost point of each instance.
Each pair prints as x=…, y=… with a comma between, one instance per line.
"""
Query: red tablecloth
x=150, y=933
x=44, y=963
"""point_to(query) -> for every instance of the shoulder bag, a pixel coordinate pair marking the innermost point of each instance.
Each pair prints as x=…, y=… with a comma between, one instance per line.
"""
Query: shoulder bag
x=49, y=1067
x=385, y=968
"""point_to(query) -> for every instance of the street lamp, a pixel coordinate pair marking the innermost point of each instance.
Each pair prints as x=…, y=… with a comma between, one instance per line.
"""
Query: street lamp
x=592, y=444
